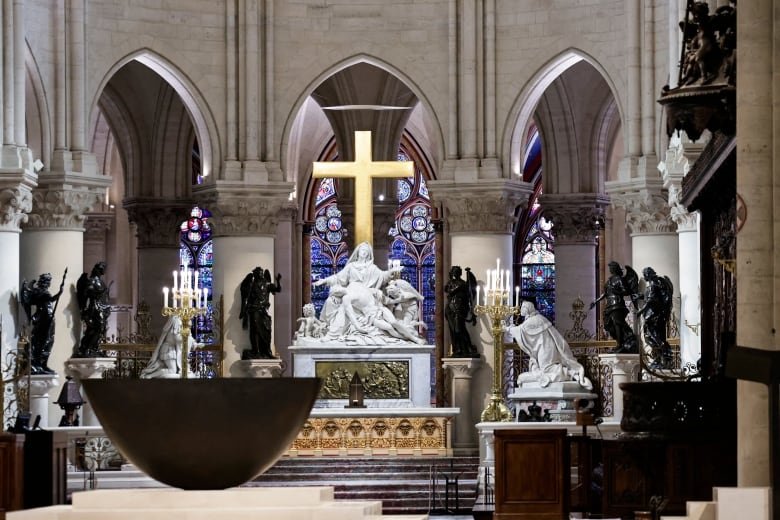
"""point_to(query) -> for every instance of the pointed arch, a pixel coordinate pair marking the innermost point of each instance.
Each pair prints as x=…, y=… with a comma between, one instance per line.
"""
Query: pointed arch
x=37, y=114
x=437, y=137
x=198, y=109
x=529, y=96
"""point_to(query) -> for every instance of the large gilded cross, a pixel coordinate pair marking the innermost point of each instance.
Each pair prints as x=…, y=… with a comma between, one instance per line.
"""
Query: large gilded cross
x=363, y=170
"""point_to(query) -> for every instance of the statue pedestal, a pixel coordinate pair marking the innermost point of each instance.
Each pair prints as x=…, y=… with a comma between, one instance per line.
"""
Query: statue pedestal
x=260, y=367
x=625, y=368
x=559, y=398
x=394, y=376
x=88, y=368
x=464, y=439
x=40, y=385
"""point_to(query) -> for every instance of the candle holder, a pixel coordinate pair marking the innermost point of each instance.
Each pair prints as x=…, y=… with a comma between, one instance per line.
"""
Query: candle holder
x=497, y=308
x=189, y=301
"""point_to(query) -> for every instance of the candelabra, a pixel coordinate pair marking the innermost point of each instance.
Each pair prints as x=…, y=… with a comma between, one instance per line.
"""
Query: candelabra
x=188, y=301
x=496, y=305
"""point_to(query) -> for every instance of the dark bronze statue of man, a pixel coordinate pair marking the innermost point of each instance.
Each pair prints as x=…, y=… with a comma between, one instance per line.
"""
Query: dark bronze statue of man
x=92, y=293
x=42, y=320
x=656, y=312
x=460, y=310
x=617, y=287
x=256, y=291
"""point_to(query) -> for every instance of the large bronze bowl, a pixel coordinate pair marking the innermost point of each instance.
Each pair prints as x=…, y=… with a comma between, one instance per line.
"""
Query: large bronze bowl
x=202, y=433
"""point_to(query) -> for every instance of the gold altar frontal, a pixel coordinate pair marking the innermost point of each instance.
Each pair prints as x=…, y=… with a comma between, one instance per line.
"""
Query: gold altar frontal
x=376, y=431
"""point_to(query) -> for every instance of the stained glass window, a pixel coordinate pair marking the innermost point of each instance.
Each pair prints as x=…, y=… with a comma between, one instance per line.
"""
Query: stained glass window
x=414, y=242
x=196, y=252
x=329, y=251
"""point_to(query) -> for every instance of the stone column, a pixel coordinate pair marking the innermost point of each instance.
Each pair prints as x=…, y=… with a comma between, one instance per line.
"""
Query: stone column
x=157, y=229
x=757, y=254
x=40, y=388
x=464, y=439
x=480, y=219
x=53, y=239
x=625, y=368
x=653, y=237
x=245, y=222
x=576, y=219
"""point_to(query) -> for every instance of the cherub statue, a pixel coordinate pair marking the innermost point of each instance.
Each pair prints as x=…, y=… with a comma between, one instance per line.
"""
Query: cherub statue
x=310, y=326
x=405, y=301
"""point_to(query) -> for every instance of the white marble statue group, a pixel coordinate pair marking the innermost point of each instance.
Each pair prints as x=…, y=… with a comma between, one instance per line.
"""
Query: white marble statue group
x=365, y=306
x=166, y=358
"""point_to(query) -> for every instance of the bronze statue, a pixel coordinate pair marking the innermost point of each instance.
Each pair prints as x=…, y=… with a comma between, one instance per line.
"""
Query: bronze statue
x=619, y=286
x=42, y=320
x=92, y=293
x=656, y=312
x=256, y=291
x=460, y=310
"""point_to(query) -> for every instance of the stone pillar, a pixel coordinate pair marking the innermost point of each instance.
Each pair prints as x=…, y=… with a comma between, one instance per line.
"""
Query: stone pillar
x=53, y=239
x=576, y=219
x=96, y=228
x=480, y=219
x=653, y=237
x=157, y=229
x=40, y=388
x=625, y=368
x=464, y=439
x=245, y=223
x=757, y=254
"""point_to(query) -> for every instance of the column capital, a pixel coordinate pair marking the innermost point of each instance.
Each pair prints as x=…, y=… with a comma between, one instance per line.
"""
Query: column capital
x=244, y=209
x=461, y=368
x=680, y=155
x=61, y=201
x=157, y=220
x=622, y=364
x=15, y=199
x=645, y=203
x=575, y=216
x=487, y=206
x=96, y=226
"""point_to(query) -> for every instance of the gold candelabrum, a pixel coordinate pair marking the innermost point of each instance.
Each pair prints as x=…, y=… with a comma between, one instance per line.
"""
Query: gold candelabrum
x=189, y=300
x=496, y=305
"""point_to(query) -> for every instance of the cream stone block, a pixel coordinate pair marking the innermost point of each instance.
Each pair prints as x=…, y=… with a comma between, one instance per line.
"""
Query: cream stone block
x=743, y=502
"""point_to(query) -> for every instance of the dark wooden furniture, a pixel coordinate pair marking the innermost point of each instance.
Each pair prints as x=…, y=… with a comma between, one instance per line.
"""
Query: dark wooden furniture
x=45, y=468
x=11, y=472
x=532, y=475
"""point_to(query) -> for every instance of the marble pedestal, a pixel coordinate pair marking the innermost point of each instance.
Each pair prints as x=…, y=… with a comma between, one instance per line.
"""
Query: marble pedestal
x=559, y=398
x=261, y=368
x=88, y=368
x=322, y=360
x=464, y=438
x=40, y=385
x=289, y=503
x=624, y=368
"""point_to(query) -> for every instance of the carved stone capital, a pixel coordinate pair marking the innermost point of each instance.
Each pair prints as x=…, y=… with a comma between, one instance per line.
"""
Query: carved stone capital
x=88, y=368
x=157, y=220
x=485, y=206
x=260, y=368
x=461, y=368
x=62, y=208
x=240, y=209
x=41, y=384
x=646, y=206
x=15, y=204
x=685, y=220
x=622, y=364
x=96, y=226
x=576, y=218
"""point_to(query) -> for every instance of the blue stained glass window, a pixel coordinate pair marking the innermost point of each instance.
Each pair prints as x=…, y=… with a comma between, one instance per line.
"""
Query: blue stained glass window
x=196, y=252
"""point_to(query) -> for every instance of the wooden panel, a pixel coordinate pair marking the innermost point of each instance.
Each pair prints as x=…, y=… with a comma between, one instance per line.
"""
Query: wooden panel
x=532, y=474
x=11, y=472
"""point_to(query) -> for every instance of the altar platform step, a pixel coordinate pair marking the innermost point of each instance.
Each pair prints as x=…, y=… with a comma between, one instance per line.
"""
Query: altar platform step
x=747, y=503
x=404, y=485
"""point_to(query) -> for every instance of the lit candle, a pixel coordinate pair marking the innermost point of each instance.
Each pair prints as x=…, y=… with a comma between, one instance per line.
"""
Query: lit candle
x=205, y=296
x=196, y=279
x=517, y=295
x=477, y=300
x=173, y=297
x=165, y=296
x=175, y=283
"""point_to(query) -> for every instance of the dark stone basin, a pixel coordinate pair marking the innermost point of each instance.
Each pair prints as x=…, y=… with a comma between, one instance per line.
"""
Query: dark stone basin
x=202, y=433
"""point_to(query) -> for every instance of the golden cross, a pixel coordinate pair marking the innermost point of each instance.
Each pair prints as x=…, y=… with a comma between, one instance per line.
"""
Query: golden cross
x=363, y=170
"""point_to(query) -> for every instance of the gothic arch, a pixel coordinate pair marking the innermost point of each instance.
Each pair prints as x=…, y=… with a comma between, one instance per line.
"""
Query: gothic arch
x=202, y=118
x=435, y=130
x=37, y=115
x=528, y=98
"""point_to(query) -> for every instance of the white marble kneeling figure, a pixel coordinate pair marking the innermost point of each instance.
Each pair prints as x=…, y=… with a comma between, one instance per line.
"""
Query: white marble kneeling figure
x=551, y=359
x=367, y=305
x=166, y=358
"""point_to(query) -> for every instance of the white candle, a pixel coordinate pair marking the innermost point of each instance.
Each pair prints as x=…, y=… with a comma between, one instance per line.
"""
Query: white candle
x=517, y=295
x=196, y=279
x=165, y=296
x=477, y=301
x=205, y=296
x=175, y=283
x=173, y=297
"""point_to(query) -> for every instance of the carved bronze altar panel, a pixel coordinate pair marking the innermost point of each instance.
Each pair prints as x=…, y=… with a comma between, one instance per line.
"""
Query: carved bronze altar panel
x=381, y=379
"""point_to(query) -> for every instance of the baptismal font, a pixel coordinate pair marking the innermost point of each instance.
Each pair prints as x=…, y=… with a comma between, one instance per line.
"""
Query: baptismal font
x=496, y=305
x=189, y=301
